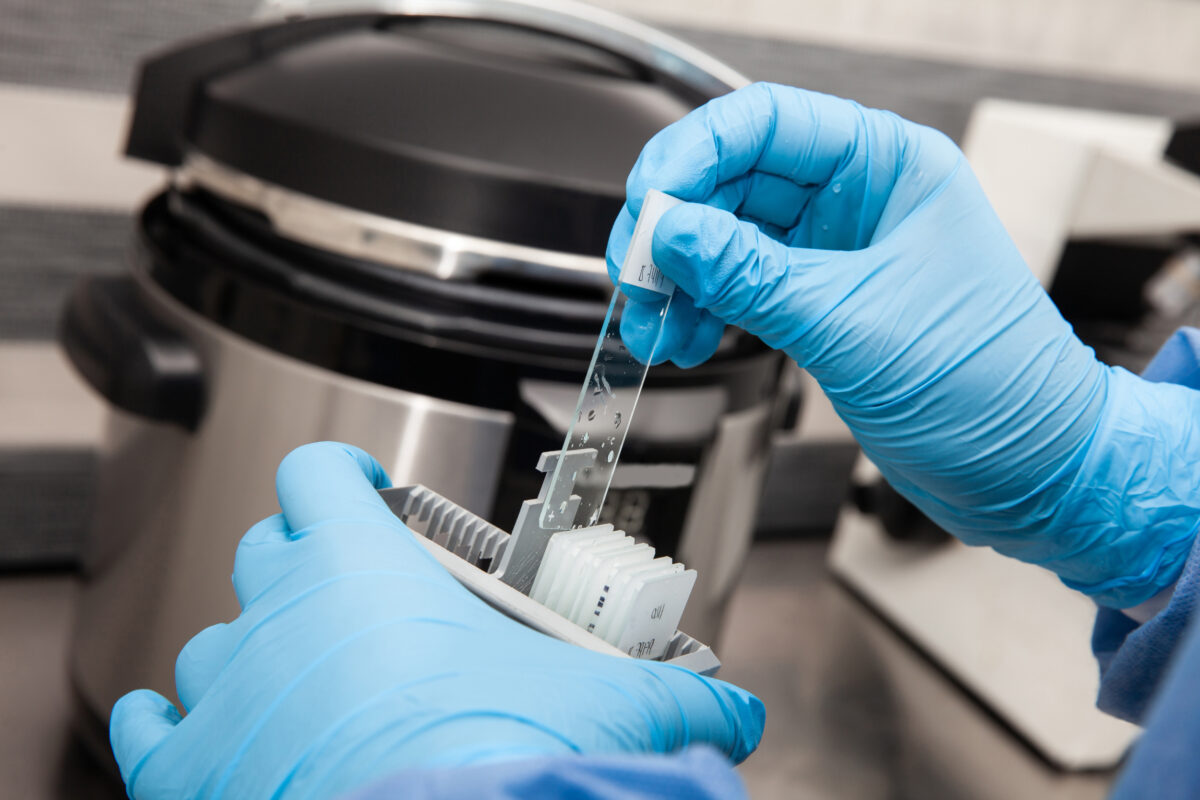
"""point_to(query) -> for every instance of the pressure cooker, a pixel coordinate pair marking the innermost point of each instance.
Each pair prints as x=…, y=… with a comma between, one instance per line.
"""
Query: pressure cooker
x=388, y=229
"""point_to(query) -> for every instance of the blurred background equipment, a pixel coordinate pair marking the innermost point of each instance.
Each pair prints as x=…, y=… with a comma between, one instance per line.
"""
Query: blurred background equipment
x=1105, y=208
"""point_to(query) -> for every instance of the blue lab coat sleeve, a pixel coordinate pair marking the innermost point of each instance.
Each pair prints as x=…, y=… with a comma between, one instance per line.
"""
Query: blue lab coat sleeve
x=1134, y=657
x=697, y=773
x=1148, y=671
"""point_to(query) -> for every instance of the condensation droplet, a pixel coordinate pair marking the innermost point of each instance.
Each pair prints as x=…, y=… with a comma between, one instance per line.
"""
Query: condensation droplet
x=562, y=507
x=610, y=456
x=824, y=227
x=586, y=436
x=837, y=187
x=617, y=420
x=591, y=414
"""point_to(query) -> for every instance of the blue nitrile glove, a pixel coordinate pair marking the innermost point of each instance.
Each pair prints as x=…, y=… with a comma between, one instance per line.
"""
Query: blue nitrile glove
x=356, y=655
x=862, y=245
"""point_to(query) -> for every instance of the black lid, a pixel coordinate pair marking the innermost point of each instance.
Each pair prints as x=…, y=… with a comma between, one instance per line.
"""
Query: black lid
x=482, y=128
x=466, y=342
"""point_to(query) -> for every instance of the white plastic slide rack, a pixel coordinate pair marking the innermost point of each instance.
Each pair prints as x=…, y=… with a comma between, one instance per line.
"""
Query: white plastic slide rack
x=593, y=587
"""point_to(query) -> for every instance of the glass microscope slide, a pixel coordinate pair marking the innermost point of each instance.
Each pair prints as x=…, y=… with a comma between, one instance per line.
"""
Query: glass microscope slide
x=615, y=376
x=614, y=588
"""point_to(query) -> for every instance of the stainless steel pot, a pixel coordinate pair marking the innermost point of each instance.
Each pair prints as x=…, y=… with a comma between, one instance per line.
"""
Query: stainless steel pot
x=260, y=313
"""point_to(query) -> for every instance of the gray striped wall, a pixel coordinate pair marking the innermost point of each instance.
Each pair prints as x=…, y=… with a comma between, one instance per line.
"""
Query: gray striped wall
x=94, y=44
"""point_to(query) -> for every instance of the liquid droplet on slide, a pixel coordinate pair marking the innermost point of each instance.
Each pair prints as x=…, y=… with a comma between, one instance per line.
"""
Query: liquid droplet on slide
x=610, y=456
x=837, y=187
x=617, y=420
x=591, y=414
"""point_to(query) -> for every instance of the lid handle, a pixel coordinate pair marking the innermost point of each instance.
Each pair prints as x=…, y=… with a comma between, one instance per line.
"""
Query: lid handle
x=640, y=43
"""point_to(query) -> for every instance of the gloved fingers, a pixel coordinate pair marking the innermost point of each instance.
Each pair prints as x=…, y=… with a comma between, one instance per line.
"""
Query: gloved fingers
x=844, y=220
x=773, y=203
x=712, y=711
x=618, y=243
x=614, y=258
x=640, y=324
x=705, y=339
x=140, y=722
x=821, y=230
x=770, y=229
x=735, y=271
x=802, y=136
x=738, y=727
x=258, y=557
x=329, y=481
x=765, y=198
x=201, y=660
x=328, y=495
x=690, y=336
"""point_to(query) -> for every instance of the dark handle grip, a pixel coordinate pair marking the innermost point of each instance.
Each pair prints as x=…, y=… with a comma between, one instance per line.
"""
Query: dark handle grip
x=134, y=360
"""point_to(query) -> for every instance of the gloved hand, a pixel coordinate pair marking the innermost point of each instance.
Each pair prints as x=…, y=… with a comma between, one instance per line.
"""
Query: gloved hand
x=862, y=245
x=356, y=655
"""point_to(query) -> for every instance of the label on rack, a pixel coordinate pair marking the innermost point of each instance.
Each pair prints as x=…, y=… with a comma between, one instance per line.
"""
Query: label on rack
x=655, y=616
x=639, y=268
